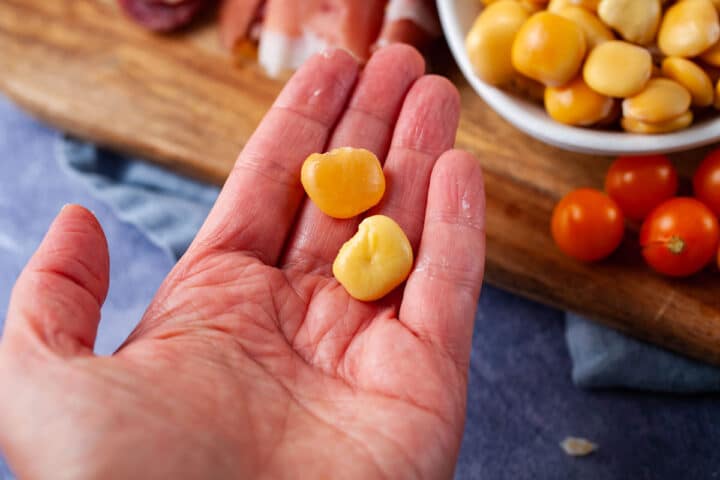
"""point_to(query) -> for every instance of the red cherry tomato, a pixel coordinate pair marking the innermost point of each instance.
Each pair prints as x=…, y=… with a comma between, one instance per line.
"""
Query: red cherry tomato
x=680, y=237
x=706, y=181
x=639, y=184
x=587, y=225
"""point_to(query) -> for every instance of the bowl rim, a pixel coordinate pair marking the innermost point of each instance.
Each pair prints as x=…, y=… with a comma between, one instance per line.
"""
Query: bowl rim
x=516, y=111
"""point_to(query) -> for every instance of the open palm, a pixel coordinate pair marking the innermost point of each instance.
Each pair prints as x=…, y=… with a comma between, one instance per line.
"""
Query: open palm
x=252, y=361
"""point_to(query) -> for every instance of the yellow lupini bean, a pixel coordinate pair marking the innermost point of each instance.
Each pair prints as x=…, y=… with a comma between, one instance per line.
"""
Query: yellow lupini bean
x=637, y=126
x=641, y=63
x=711, y=56
x=661, y=100
x=595, y=31
x=343, y=182
x=489, y=43
x=692, y=77
x=530, y=6
x=375, y=260
x=577, y=104
x=557, y=5
x=549, y=48
x=637, y=21
x=617, y=68
x=689, y=28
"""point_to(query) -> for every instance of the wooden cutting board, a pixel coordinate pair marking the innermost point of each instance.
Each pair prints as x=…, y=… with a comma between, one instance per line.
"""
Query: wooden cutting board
x=178, y=100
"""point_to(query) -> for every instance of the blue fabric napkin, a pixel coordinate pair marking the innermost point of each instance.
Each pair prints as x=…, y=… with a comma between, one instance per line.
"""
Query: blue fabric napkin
x=169, y=209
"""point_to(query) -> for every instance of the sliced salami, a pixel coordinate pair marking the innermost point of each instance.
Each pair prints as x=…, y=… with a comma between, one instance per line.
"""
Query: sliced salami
x=162, y=15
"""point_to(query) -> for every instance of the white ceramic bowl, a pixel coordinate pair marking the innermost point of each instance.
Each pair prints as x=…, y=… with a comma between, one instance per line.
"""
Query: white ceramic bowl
x=457, y=17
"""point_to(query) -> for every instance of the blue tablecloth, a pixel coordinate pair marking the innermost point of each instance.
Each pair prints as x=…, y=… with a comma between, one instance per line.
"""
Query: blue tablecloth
x=521, y=400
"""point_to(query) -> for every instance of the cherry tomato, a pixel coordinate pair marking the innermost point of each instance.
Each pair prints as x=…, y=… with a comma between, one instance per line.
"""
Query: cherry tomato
x=587, y=225
x=680, y=237
x=639, y=184
x=706, y=181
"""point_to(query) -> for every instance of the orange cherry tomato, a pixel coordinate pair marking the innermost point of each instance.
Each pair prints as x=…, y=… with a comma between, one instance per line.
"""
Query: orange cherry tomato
x=639, y=184
x=680, y=237
x=587, y=225
x=706, y=181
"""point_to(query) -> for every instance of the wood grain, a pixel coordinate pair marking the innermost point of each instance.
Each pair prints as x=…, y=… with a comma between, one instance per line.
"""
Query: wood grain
x=179, y=101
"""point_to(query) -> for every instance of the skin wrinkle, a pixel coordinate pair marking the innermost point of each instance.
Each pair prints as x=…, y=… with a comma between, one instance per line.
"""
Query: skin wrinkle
x=330, y=328
x=85, y=276
x=290, y=336
x=339, y=83
x=406, y=455
x=370, y=116
x=304, y=408
x=455, y=220
x=224, y=360
x=415, y=135
x=53, y=333
x=304, y=260
x=347, y=342
x=341, y=357
x=462, y=278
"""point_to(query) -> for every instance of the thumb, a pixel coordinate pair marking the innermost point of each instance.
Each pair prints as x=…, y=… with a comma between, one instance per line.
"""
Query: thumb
x=56, y=301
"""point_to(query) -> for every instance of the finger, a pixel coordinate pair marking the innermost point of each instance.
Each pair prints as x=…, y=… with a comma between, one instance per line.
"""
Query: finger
x=258, y=203
x=441, y=294
x=58, y=296
x=367, y=123
x=426, y=128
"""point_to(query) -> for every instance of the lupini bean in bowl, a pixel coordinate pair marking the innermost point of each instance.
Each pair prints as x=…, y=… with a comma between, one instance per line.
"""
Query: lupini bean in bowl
x=611, y=85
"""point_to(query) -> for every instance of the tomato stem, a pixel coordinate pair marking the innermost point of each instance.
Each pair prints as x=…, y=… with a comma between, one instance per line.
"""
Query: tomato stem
x=676, y=245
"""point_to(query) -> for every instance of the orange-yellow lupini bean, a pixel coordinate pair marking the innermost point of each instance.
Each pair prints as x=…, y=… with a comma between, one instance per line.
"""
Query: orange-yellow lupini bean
x=661, y=100
x=692, y=77
x=343, y=182
x=595, y=31
x=711, y=56
x=577, y=104
x=531, y=6
x=617, y=68
x=688, y=28
x=489, y=42
x=556, y=5
x=638, y=126
x=637, y=21
x=549, y=48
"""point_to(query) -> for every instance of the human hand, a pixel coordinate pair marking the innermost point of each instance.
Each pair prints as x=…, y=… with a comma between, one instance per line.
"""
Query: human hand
x=252, y=361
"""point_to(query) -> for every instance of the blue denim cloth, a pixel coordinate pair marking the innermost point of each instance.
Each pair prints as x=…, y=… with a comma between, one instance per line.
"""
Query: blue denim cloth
x=170, y=209
x=521, y=399
x=603, y=357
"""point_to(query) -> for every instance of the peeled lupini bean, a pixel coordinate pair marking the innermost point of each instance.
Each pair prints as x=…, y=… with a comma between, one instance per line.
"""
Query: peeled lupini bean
x=689, y=28
x=618, y=69
x=549, y=48
x=490, y=40
x=692, y=77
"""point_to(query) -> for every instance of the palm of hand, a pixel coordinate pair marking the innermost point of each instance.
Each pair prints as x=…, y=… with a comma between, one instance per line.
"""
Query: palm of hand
x=252, y=360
